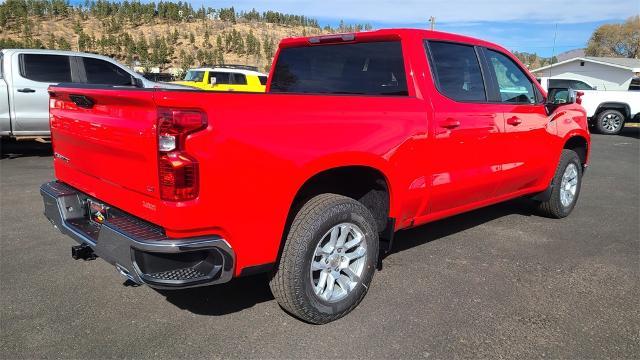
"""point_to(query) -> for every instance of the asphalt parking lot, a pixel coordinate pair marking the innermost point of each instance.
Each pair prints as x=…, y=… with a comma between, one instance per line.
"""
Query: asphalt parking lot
x=499, y=282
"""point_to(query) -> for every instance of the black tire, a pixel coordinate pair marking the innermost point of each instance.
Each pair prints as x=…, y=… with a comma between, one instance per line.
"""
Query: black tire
x=291, y=283
x=553, y=207
x=604, y=125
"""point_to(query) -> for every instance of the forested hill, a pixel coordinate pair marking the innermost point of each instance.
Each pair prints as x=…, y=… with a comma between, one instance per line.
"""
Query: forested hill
x=164, y=34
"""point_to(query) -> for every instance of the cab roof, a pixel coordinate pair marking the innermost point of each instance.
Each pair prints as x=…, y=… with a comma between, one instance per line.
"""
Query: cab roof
x=229, y=70
x=390, y=34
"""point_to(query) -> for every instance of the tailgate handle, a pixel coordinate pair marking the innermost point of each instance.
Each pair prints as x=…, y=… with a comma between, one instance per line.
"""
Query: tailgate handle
x=82, y=101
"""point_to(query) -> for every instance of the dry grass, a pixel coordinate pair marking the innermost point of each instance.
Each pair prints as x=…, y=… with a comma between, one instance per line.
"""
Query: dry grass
x=63, y=28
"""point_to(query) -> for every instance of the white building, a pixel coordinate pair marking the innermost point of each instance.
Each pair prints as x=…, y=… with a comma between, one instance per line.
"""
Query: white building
x=603, y=73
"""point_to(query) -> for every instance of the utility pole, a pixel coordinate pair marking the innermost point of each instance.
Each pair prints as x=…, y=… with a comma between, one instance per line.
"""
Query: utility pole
x=432, y=20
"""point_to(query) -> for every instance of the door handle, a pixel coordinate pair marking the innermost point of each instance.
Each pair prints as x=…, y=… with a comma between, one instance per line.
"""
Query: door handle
x=26, y=90
x=515, y=121
x=450, y=124
x=82, y=101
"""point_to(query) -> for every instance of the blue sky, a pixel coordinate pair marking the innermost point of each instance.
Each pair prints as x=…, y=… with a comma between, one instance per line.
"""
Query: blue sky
x=518, y=25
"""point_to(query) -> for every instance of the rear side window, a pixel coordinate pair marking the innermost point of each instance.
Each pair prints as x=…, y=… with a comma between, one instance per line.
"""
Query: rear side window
x=579, y=85
x=573, y=84
x=263, y=80
x=103, y=72
x=222, y=78
x=45, y=68
x=239, y=79
x=457, y=71
x=555, y=83
x=514, y=84
x=375, y=68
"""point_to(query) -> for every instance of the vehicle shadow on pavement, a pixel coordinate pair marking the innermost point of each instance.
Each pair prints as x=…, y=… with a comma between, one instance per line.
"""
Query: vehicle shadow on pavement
x=245, y=292
x=236, y=295
x=442, y=228
x=632, y=132
x=11, y=149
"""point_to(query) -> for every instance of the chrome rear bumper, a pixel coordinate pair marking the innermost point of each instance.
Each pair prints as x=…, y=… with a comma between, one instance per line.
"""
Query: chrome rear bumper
x=139, y=250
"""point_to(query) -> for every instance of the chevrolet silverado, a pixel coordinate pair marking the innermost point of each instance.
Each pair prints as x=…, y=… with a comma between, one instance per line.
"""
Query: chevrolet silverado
x=358, y=136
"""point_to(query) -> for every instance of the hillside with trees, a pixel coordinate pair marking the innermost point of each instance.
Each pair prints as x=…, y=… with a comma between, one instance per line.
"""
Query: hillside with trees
x=534, y=61
x=164, y=34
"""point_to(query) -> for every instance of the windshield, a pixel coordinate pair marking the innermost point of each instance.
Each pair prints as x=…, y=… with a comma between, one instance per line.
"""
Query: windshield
x=192, y=75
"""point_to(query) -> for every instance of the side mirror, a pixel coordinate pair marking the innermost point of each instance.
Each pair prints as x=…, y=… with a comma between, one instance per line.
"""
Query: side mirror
x=561, y=96
x=213, y=80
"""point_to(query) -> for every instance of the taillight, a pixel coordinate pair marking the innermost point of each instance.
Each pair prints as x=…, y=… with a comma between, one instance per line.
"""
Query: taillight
x=178, y=171
x=174, y=125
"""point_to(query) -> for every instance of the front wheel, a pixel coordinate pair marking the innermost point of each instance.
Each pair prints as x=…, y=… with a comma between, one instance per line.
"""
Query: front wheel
x=610, y=122
x=328, y=259
x=566, y=182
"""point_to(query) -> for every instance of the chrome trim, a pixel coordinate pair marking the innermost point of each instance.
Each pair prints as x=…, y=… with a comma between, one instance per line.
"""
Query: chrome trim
x=118, y=248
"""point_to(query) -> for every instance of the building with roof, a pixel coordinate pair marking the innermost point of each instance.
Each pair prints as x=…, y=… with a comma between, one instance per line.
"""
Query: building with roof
x=602, y=73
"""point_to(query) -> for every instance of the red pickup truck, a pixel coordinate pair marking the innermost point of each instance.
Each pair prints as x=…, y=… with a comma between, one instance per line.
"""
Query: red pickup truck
x=358, y=136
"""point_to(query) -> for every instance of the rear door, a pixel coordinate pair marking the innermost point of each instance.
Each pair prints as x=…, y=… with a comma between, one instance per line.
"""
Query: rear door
x=32, y=75
x=98, y=71
x=467, y=129
x=529, y=133
x=239, y=82
x=224, y=81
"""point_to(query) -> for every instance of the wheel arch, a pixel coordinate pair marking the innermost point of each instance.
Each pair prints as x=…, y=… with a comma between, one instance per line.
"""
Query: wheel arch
x=612, y=105
x=580, y=144
x=365, y=181
x=356, y=181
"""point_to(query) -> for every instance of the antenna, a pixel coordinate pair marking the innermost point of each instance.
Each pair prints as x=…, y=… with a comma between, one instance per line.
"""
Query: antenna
x=553, y=51
x=432, y=20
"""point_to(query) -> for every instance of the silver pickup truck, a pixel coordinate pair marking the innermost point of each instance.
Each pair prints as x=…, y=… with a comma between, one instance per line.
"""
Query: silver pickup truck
x=25, y=76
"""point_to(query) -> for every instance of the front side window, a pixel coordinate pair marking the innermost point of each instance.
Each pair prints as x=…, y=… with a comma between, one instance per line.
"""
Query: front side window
x=457, y=71
x=263, y=80
x=105, y=73
x=193, y=75
x=222, y=78
x=373, y=68
x=46, y=68
x=513, y=83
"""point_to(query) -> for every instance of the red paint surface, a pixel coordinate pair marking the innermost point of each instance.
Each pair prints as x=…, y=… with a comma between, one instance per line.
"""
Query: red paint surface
x=259, y=149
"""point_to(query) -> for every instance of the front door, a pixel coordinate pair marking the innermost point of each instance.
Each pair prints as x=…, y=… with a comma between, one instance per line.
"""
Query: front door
x=466, y=131
x=528, y=151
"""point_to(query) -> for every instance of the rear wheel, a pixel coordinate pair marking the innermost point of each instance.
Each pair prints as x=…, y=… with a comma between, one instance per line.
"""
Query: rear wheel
x=328, y=259
x=610, y=122
x=566, y=186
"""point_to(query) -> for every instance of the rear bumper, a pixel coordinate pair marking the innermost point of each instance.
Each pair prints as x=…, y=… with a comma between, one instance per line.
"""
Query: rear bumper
x=139, y=250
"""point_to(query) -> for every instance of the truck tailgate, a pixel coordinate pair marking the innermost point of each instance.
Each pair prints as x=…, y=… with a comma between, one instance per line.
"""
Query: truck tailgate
x=106, y=134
